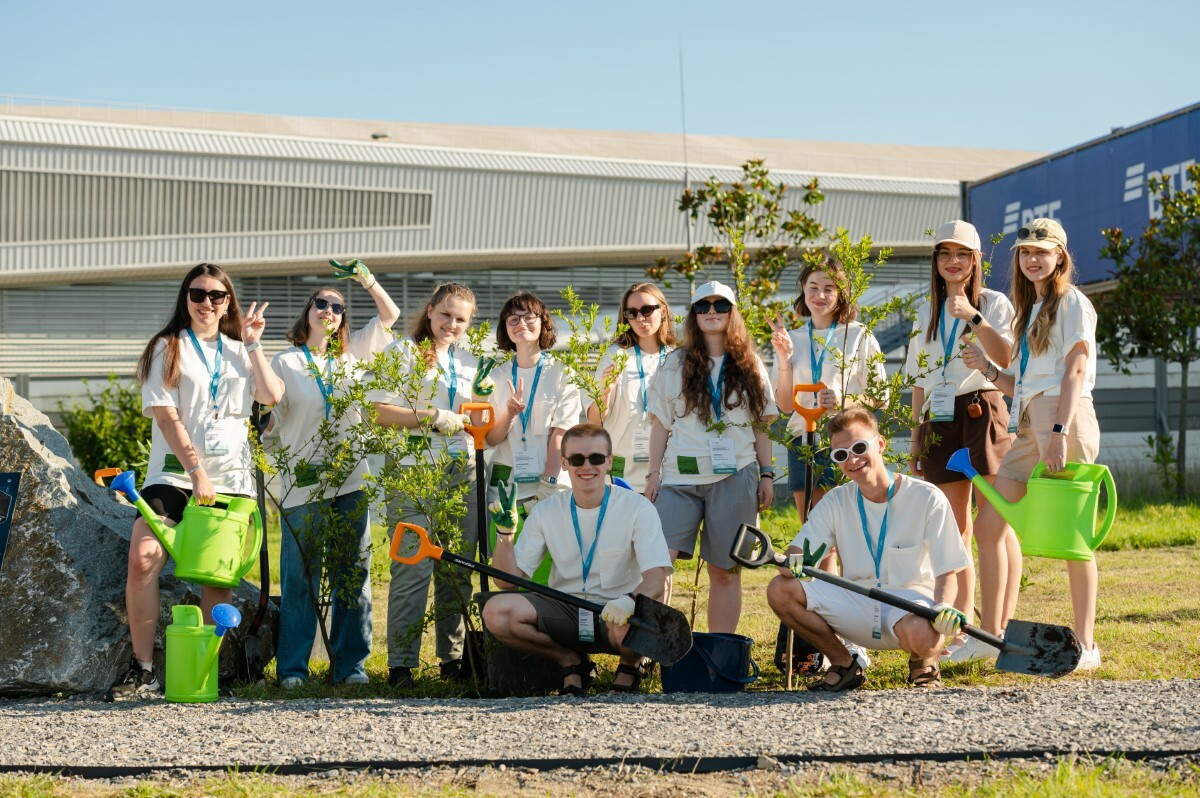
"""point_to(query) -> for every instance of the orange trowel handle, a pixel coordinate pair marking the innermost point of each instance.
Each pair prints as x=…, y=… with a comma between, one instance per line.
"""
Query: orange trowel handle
x=105, y=473
x=479, y=431
x=811, y=414
x=425, y=548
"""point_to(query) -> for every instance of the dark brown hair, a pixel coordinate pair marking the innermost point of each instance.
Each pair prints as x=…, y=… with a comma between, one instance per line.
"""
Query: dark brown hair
x=845, y=312
x=528, y=302
x=1024, y=297
x=585, y=431
x=743, y=384
x=298, y=334
x=230, y=325
x=422, y=329
x=937, y=292
x=666, y=330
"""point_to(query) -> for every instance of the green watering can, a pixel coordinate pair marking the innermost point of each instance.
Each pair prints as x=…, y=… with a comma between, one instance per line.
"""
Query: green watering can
x=192, y=648
x=211, y=546
x=1057, y=517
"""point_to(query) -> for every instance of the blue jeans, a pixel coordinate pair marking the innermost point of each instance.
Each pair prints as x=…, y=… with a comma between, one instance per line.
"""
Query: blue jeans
x=350, y=625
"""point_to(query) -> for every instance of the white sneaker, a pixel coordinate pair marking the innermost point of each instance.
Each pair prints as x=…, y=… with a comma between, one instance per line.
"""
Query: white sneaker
x=291, y=683
x=860, y=654
x=971, y=650
x=1090, y=660
x=356, y=678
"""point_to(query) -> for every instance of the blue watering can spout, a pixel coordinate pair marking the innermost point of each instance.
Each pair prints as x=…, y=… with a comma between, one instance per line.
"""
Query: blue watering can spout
x=226, y=617
x=124, y=483
x=961, y=461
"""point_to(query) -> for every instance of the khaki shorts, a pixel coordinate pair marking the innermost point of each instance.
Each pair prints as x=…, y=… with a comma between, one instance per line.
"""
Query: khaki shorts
x=560, y=622
x=1033, y=436
x=853, y=616
x=722, y=506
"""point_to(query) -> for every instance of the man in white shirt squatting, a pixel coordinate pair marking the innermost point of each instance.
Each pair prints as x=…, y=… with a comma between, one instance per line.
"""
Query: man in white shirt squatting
x=607, y=546
x=891, y=532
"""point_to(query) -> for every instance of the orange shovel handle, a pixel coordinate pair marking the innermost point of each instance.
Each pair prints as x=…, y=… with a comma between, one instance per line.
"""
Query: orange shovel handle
x=425, y=548
x=104, y=473
x=810, y=414
x=478, y=431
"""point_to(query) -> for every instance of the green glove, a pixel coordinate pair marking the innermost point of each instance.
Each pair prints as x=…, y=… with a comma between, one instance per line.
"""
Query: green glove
x=353, y=268
x=484, y=385
x=798, y=562
x=504, y=511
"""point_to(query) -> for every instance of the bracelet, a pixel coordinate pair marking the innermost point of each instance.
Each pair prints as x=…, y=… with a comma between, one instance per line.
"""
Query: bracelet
x=195, y=468
x=372, y=285
x=250, y=347
x=995, y=372
x=507, y=534
x=766, y=473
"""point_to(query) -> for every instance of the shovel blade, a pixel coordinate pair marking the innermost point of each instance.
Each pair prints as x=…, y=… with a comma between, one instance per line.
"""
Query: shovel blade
x=1039, y=649
x=658, y=631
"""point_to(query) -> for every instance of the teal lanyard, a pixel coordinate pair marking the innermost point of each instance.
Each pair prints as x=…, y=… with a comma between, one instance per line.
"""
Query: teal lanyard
x=714, y=389
x=817, y=364
x=947, y=343
x=1024, y=357
x=214, y=373
x=527, y=413
x=591, y=555
x=637, y=353
x=326, y=390
x=877, y=552
x=451, y=378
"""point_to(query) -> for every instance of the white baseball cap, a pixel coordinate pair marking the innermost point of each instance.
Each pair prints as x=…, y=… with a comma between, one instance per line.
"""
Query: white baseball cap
x=714, y=288
x=958, y=232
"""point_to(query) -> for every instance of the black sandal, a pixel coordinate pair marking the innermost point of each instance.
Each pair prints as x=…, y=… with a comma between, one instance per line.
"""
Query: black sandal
x=850, y=677
x=584, y=670
x=924, y=673
x=636, y=671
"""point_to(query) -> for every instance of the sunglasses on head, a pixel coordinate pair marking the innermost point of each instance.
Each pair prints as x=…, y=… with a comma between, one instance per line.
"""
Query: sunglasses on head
x=1041, y=234
x=595, y=458
x=337, y=307
x=705, y=305
x=858, y=449
x=197, y=295
x=646, y=311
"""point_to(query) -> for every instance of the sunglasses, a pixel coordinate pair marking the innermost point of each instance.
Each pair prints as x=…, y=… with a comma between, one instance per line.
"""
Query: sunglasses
x=595, y=458
x=705, y=305
x=646, y=311
x=337, y=307
x=858, y=449
x=197, y=295
x=1041, y=234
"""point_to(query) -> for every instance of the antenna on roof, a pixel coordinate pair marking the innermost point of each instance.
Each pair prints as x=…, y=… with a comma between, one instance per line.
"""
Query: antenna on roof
x=687, y=219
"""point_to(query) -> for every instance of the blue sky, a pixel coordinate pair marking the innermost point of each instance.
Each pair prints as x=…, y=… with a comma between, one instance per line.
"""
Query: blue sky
x=1036, y=76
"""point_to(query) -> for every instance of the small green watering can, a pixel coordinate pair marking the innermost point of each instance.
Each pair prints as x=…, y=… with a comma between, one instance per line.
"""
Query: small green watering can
x=192, y=648
x=1057, y=517
x=211, y=546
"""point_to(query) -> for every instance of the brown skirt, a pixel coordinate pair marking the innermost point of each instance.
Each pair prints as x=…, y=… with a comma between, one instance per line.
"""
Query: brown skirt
x=986, y=437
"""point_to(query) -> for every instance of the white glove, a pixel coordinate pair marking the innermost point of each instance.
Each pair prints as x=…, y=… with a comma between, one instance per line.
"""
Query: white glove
x=545, y=490
x=949, y=621
x=449, y=422
x=618, y=611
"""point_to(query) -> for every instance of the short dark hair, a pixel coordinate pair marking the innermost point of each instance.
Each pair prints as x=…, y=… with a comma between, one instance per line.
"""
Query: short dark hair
x=852, y=415
x=530, y=303
x=585, y=431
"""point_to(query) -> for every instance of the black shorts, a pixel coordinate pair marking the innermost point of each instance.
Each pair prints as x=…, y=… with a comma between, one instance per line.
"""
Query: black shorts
x=986, y=437
x=168, y=501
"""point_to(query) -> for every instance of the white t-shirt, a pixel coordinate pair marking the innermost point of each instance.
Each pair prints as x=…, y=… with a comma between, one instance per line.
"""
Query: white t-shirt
x=848, y=345
x=628, y=417
x=1075, y=322
x=453, y=374
x=631, y=543
x=922, y=539
x=689, y=435
x=556, y=405
x=230, y=472
x=995, y=307
x=299, y=414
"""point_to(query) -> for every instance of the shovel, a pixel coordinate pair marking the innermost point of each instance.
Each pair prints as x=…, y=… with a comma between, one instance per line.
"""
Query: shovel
x=1037, y=649
x=473, y=651
x=656, y=630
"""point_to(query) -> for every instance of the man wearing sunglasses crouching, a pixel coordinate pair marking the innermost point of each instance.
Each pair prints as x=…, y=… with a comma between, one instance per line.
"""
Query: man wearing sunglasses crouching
x=607, y=546
x=891, y=532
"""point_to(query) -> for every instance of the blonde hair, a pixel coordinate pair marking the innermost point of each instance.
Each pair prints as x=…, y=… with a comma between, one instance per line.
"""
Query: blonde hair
x=1024, y=297
x=422, y=329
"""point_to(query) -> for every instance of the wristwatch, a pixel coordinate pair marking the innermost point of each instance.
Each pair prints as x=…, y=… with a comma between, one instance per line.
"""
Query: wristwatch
x=994, y=372
x=250, y=347
x=550, y=480
x=1059, y=429
x=768, y=473
x=976, y=320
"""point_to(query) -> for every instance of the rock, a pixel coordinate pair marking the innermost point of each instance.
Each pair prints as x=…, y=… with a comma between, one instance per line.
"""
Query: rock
x=62, y=578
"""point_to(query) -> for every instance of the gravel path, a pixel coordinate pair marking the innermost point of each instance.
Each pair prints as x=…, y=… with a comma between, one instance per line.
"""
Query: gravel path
x=1084, y=716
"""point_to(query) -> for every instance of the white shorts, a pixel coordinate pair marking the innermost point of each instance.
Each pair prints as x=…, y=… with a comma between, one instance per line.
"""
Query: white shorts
x=852, y=616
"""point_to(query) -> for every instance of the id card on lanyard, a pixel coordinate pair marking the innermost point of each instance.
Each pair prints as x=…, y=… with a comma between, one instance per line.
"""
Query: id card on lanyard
x=1014, y=418
x=724, y=458
x=326, y=390
x=456, y=444
x=816, y=363
x=216, y=443
x=526, y=463
x=641, y=435
x=941, y=400
x=876, y=551
x=587, y=621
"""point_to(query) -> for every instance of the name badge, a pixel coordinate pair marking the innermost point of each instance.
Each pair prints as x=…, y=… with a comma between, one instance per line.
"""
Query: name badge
x=877, y=622
x=618, y=466
x=526, y=465
x=724, y=458
x=587, y=626
x=216, y=438
x=941, y=402
x=1014, y=418
x=641, y=445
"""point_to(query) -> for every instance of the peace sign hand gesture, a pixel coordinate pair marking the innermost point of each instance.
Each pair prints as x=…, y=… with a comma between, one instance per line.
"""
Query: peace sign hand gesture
x=516, y=405
x=780, y=340
x=254, y=323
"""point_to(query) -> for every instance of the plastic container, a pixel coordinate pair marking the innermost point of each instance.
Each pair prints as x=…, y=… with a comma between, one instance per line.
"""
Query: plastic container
x=718, y=663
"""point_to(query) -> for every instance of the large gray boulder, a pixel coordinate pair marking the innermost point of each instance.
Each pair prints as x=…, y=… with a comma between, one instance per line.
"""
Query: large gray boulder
x=62, y=579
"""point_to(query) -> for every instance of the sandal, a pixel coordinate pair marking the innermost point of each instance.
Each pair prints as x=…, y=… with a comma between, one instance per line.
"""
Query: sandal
x=924, y=672
x=636, y=671
x=584, y=670
x=849, y=677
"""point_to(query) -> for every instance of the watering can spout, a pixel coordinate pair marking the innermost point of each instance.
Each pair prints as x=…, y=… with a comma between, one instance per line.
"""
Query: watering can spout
x=226, y=617
x=124, y=483
x=1011, y=512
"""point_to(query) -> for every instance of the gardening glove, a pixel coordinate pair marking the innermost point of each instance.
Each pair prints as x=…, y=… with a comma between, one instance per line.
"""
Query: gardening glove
x=545, y=490
x=797, y=562
x=353, y=268
x=618, y=611
x=484, y=385
x=504, y=511
x=449, y=422
x=949, y=621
